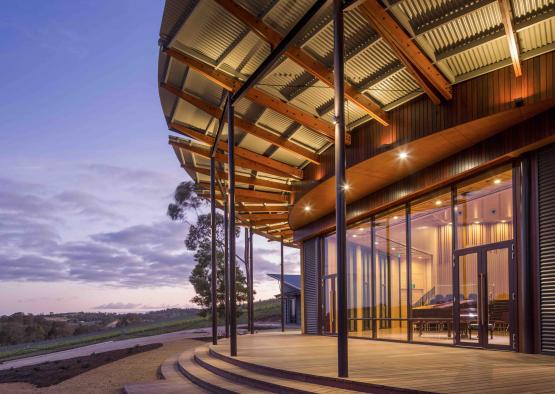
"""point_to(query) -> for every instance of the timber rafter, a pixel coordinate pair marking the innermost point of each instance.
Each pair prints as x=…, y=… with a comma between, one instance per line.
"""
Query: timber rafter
x=244, y=125
x=304, y=59
x=257, y=96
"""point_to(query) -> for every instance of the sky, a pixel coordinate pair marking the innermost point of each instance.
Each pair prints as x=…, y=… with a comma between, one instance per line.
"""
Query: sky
x=86, y=173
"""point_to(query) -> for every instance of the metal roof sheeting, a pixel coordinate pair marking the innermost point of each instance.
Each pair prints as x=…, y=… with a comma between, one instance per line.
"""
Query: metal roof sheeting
x=480, y=56
x=464, y=37
x=536, y=36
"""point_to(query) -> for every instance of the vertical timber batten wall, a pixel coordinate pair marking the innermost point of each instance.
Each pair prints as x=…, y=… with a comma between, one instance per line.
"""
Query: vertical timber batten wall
x=311, y=261
x=546, y=210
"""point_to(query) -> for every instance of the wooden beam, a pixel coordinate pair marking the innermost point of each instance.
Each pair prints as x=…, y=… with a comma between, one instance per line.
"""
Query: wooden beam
x=258, y=96
x=222, y=158
x=244, y=125
x=240, y=152
x=258, y=216
x=506, y=16
x=275, y=197
x=412, y=56
x=262, y=222
x=274, y=208
x=243, y=179
x=303, y=59
x=255, y=194
x=239, y=199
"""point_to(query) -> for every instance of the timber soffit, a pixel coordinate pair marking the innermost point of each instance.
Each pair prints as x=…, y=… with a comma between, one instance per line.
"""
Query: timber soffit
x=460, y=37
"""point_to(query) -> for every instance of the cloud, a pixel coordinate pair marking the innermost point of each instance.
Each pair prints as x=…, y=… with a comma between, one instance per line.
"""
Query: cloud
x=117, y=305
x=135, y=256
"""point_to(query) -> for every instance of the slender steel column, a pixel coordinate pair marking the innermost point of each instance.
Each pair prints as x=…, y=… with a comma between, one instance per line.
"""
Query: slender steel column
x=340, y=208
x=213, y=279
x=231, y=204
x=281, y=279
x=408, y=271
x=226, y=269
x=251, y=270
x=525, y=325
x=249, y=283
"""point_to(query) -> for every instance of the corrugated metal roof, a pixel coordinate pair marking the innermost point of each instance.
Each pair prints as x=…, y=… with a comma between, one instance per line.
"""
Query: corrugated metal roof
x=460, y=29
x=524, y=7
x=209, y=30
x=465, y=44
x=536, y=36
x=480, y=56
x=286, y=13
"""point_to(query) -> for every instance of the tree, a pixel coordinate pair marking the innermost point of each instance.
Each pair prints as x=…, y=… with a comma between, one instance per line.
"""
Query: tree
x=198, y=240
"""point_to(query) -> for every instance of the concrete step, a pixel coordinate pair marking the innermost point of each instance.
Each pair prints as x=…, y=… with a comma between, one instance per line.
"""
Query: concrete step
x=260, y=380
x=164, y=387
x=208, y=380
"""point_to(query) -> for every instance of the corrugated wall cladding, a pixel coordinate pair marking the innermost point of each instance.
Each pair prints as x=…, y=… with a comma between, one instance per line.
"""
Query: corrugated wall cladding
x=472, y=99
x=494, y=150
x=546, y=210
x=311, y=261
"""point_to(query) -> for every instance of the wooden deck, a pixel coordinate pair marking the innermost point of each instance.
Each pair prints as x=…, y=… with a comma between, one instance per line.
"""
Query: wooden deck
x=422, y=367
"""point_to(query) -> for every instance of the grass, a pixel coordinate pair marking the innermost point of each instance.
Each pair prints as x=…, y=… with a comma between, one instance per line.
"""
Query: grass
x=267, y=310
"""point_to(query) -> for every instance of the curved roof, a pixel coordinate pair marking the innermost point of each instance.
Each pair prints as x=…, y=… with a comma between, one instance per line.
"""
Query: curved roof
x=210, y=47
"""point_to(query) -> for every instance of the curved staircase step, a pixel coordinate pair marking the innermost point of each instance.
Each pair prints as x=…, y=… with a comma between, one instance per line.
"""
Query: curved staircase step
x=333, y=384
x=170, y=370
x=173, y=382
x=209, y=380
x=259, y=380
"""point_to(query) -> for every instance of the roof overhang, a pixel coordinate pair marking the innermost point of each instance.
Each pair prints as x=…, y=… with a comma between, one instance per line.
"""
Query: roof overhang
x=386, y=168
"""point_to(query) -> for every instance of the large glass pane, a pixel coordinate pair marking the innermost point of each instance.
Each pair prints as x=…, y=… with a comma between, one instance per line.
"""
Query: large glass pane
x=391, y=275
x=484, y=210
x=359, y=299
x=468, y=300
x=498, y=296
x=329, y=285
x=431, y=252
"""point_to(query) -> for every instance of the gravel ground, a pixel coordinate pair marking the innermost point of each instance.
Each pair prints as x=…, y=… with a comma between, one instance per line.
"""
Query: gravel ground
x=111, y=378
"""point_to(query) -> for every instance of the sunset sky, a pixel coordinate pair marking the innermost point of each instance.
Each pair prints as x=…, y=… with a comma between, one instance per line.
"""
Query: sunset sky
x=86, y=173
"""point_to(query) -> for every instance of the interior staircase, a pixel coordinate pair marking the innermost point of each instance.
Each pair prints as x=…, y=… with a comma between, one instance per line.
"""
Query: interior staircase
x=204, y=370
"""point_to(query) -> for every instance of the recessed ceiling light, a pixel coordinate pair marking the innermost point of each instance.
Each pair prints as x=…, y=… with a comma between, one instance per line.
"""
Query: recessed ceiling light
x=395, y=217
x=438, y=202
x=420, y=257
x=450, y=223
x=476, y=222
x=497, y=181
x=354, y=235
x=392, y=248
x=307, y=208
x=376, y=243
x=403, y=155
x=346, y=187
x=503, y=221
x=360, y=229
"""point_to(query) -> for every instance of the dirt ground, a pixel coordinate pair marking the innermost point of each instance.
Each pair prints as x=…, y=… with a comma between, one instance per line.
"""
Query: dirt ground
x=111, y=378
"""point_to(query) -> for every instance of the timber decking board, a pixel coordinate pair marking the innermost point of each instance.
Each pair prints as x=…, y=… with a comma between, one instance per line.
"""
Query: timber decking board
x=402, y=365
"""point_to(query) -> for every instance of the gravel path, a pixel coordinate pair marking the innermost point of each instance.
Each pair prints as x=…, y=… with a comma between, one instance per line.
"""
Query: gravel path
x=110, y=378
x=106, y=346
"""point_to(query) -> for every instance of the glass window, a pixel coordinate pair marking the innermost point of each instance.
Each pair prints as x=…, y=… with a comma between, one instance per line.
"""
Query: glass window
x=484, y=209
x=391, y=275
x=431, y=268
x=329, y=285
x=359, y=280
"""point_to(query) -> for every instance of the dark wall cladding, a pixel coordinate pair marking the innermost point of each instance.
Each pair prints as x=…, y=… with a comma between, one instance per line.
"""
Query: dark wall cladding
x=311, y=264
x=476, y=98
x=546, y=210
x=499, y=148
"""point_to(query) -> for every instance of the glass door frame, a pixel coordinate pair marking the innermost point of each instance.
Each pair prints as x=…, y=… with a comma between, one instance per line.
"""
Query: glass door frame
x=482, y=306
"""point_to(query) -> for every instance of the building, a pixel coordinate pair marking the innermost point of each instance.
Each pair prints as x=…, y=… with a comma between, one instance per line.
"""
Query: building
x=449, y=149
x=292, y=298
